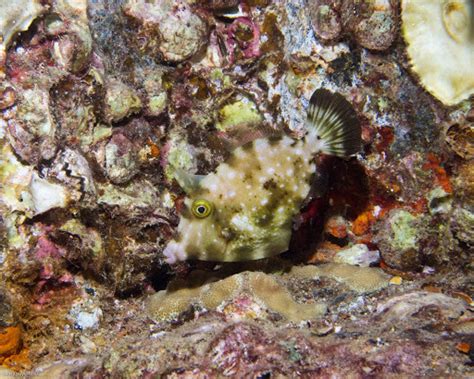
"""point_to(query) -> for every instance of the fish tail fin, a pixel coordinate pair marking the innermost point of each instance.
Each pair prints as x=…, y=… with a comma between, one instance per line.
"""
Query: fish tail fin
x=333, y=125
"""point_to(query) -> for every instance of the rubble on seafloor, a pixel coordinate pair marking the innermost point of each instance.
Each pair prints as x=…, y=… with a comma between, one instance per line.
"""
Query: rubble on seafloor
x=102, y=101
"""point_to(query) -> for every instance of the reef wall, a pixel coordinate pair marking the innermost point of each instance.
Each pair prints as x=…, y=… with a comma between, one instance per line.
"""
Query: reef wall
x=102, y=101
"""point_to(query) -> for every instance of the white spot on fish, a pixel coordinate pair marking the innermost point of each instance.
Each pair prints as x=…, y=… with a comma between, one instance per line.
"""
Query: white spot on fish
x=286, y=141
x=242, y=223
x=264, y=201
x=289, y=172
x=231, y=175
x=270, y=171
x=231, y=194
x=261, y=145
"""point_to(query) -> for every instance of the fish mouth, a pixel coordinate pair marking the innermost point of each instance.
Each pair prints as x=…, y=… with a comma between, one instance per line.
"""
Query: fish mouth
x=174, y=252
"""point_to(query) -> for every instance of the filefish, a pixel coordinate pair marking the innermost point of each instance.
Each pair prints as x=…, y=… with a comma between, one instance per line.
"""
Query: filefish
x=244, y=210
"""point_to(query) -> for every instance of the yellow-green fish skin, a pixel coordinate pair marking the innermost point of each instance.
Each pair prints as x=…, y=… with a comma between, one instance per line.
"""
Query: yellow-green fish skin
x=255, y=196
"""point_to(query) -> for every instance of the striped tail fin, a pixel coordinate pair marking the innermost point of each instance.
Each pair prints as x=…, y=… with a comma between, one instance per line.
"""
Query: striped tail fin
x=333, y=125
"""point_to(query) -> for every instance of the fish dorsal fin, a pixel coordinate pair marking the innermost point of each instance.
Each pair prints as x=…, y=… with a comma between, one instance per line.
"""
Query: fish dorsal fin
x=241, y=135
x=188, y=182
x=333, y=124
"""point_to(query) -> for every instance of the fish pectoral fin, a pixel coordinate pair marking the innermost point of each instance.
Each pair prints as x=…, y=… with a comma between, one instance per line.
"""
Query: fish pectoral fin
x=240, y=135
x=188, y=182
x=333, y=124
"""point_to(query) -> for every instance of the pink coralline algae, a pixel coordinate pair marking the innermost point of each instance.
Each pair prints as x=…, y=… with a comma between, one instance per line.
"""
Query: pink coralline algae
x=241, y=39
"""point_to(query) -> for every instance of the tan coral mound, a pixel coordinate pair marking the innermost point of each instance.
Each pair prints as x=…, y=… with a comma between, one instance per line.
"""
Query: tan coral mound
x=359, y=279
x=441, y=46
x=263, y=288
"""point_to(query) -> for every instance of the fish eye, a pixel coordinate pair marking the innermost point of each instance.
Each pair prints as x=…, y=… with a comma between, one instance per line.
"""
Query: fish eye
x=201, y=208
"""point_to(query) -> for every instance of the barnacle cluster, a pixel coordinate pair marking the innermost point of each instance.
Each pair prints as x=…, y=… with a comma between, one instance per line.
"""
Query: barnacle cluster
x=371, y=23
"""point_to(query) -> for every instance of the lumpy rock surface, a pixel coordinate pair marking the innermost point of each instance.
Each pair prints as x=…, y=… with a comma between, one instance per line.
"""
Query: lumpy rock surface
x=104, y=103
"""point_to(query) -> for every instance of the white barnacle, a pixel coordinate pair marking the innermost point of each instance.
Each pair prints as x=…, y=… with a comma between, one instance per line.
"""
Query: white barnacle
x=248, y=186
x=264, y=201
x=231, y=193
x=290, y=172
x=231, y=175
x=270, y=171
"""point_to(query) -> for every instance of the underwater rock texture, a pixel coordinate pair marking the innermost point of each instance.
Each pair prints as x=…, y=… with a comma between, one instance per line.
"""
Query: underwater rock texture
x=104, y=102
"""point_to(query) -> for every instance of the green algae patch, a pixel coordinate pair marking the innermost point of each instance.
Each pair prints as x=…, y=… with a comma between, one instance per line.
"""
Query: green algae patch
x=121, y=101
x=241, y=112
x=404, y=231
x=90, y=238
x=179, y=157
x=157, y=104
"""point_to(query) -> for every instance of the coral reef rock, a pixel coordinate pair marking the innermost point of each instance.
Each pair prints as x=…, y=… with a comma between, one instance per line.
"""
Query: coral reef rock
x=111, y=109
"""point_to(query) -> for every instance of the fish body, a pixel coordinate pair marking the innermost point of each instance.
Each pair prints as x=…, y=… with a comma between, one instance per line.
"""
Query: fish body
x=244, y=210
